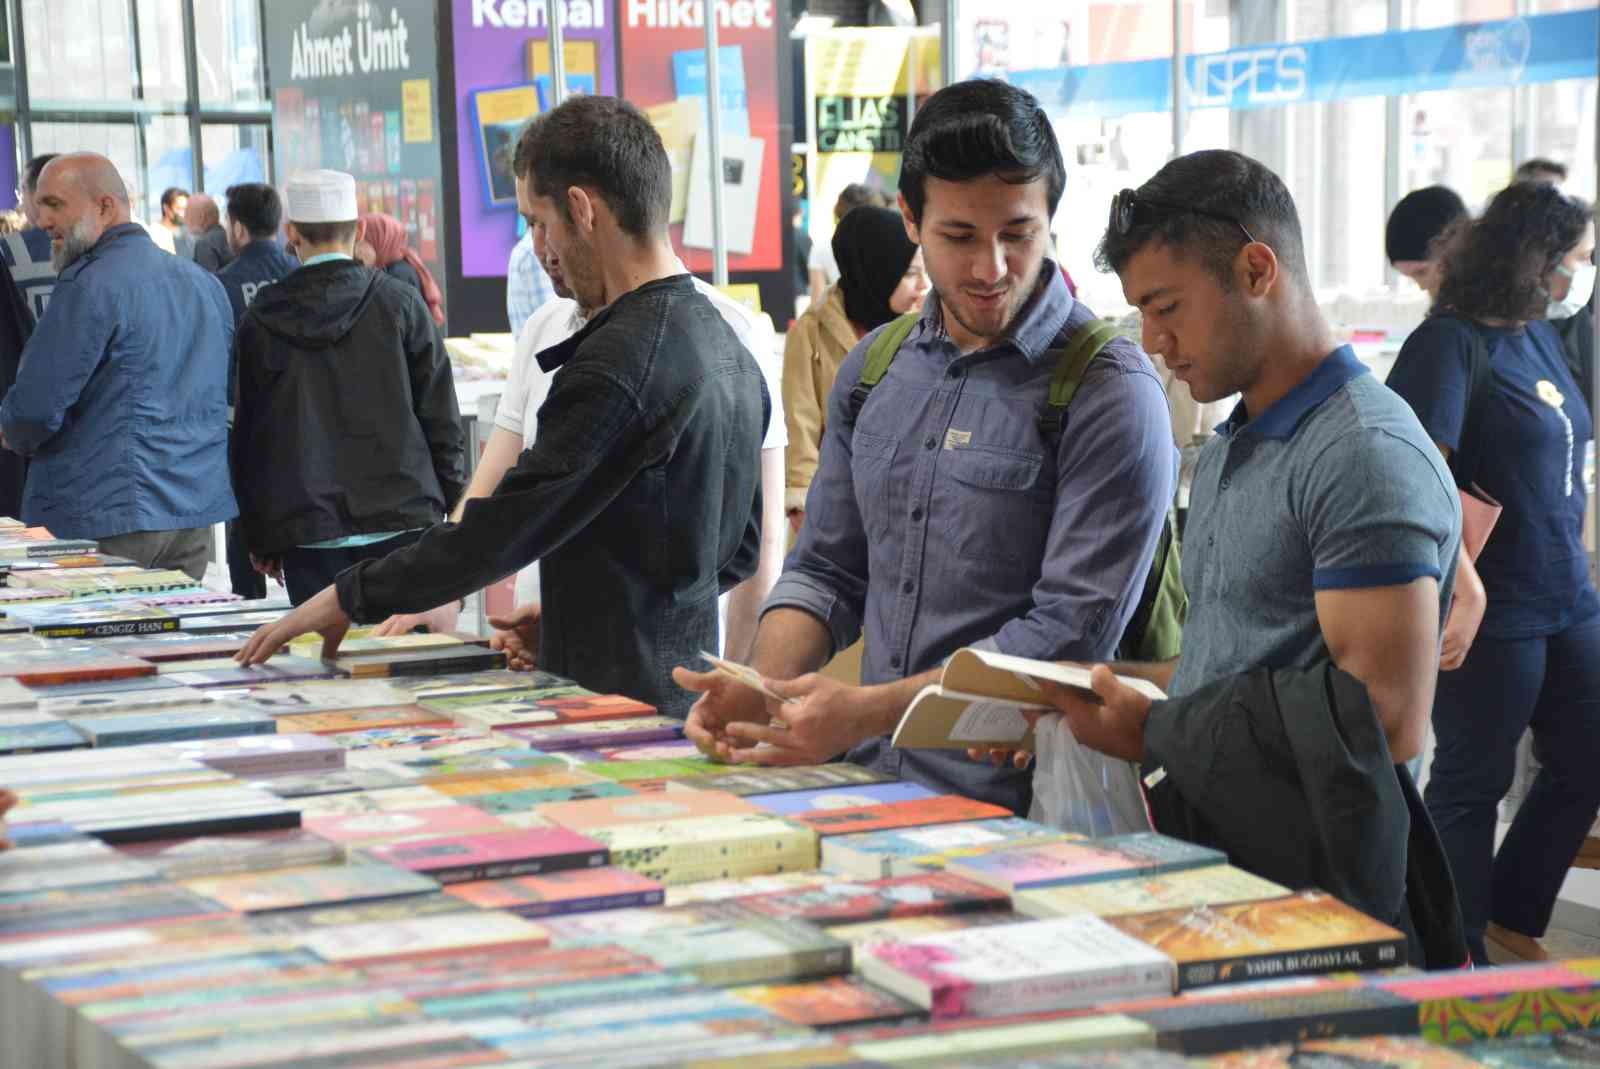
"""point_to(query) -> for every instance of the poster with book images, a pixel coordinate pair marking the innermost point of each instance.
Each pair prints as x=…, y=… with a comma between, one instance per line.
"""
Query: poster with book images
x=356, y=89
x=503, y=79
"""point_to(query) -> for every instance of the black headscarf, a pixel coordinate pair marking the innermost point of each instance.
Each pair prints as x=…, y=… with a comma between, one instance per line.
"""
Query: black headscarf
x=873, y=252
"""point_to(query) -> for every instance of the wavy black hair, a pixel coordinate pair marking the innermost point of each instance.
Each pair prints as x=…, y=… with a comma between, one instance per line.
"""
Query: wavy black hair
x=607, y=144
x=1496, y=267
x=977, y=128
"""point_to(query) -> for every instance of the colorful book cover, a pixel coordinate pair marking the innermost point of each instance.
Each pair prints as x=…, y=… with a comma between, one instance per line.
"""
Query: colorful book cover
x=395, y=744
x=317, y=696
x=430, y=662
x=283, y=668
x=868, y=934
x=1004, y=1044
x=391, y=716
x=553, y=737
x=1212, y=1026
x=720, y=890
x=382, y=911
x=449, y=934
x=1117, y=857
x=843, y=902
x=454, y=704
x=651, y=810
x=585, y=708
x=219, y=855
x=1295, y=935
x=1548, y=1050
x=1212, y=885
x=1376, y=1052
x=371, y=829
x=940, y=809
x=458, y=684
x=342, y=781
x=1031, y=967
x=635, y=770
x=833, y=798
x=699, y=848
x=750, y=781
x=460, y=859
x=1465, y=1007
x=556, y=893
x=313, y=885
x=504, y=759
x=514, y=713
x=836, y=1002
x=49, y=667
x=42, y=735
x=689, y=80
x=902, y=851
x=263, y=755
x=95, y=619
x=750, y=950
x=677, y=750
x=500, y=781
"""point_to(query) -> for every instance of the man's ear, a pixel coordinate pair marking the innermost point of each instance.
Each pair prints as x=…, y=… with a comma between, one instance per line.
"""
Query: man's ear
x=1257, y=269
x=913, y=230
x=582, y=209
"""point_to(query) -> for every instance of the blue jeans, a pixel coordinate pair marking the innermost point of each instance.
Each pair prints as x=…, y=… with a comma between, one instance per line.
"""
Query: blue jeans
x=1479, y=712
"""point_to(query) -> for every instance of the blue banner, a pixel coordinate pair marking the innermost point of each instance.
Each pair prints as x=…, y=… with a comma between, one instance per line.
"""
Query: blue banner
x=1519, y=51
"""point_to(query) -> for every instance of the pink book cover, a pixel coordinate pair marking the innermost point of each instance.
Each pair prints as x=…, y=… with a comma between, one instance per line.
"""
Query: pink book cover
x=458, y=859
x=371, y=829
x=1500, y=981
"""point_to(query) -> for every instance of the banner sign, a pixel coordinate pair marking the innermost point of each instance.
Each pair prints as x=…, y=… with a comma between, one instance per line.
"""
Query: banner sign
x=1518, y=51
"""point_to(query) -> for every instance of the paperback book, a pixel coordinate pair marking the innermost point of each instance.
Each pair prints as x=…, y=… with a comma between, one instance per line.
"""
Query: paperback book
x=556, y=893
x=833, y=798
x=93, y=619
x=1116, y=857
x=494, y=856
x=1212, y=885
x=837, y=1002
x=872, y=855
x=211, y=720
x=842, y=902
x=388, y=716
x=554, y=737
x=311, y=885
x=940, y=809
x=218, y=855
x=751, y=781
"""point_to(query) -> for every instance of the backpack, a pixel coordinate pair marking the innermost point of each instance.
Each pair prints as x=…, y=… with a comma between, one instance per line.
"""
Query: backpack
x=1155, y=632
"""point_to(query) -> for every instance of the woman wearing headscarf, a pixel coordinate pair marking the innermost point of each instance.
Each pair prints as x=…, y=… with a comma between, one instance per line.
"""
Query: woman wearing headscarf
x=880, y=277
x=385, y=236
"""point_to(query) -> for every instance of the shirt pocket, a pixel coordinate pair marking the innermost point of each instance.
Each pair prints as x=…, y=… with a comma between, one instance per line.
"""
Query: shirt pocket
x=872, y=464
x=993, y=505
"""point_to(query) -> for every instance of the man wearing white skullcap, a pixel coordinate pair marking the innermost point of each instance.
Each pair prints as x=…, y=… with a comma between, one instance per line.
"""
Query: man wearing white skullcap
x=347, y=442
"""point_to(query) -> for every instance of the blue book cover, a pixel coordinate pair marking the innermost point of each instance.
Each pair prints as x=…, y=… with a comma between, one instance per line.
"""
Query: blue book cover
x=577, y=85
x=210, y=721
x=851, y=797
x=689, y=79
x=39, y=736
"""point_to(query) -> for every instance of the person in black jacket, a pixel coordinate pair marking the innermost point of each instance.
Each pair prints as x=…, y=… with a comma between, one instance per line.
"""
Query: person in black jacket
x=204, y=220
x=640, y=496
x=16, y=326
x=347, y=442
x=255, y=211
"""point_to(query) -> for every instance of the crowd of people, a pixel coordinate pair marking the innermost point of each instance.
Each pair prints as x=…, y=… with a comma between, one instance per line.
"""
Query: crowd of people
x=941, y=488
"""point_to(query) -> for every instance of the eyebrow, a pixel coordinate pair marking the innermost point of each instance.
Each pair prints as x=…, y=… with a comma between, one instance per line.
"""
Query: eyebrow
x=955, y=224
x=1153, y=295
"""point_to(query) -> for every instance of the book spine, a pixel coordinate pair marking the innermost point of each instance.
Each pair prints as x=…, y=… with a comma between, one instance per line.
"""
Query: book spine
x=441, y=666
x=594, y=904
x=1360, y=957
x=1067, y=990
x=527, y=866
x=795, y=965
x=1201, y=1040
x=861, y=864
x=106, y=628
x=714, y=852
x=137, y=833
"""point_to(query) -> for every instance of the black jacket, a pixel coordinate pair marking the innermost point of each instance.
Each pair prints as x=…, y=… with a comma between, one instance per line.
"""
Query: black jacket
x=258, y=265
x=345, y=421
x=1289, y=773
x=211, y=249
x=1577, y=341
x=640, y=498
x=16, y=325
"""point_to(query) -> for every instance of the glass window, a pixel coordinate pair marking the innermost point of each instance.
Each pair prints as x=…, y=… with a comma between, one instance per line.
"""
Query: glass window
x=168, y=161
x=78, y=50
x=228, y=40
x=161, y=60
x=118, y=142
x=1457, y=138
x=235, y=154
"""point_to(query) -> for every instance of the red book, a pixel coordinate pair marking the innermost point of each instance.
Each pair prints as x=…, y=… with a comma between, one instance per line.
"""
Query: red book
x=459, y=859
x=942, y=809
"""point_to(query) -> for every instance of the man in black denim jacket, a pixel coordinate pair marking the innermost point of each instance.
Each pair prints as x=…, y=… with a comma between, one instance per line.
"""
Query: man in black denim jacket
x=640, y=496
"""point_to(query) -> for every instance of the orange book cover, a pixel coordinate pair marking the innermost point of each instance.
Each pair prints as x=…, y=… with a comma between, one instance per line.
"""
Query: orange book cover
x=583, y=708
x=940, y=809
x=383, y=716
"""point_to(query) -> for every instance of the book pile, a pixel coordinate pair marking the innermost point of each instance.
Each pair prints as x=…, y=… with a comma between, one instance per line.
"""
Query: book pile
x=447, y=863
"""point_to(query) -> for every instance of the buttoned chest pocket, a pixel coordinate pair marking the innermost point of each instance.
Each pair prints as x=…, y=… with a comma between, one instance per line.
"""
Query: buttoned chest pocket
x=872, y=464
x=993, y=504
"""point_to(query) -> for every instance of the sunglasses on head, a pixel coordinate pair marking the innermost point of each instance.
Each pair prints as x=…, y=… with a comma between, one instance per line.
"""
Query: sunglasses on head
x=1127, y=203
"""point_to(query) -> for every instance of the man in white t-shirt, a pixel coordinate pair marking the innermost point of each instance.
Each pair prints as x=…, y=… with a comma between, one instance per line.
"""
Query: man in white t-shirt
x=516, y=423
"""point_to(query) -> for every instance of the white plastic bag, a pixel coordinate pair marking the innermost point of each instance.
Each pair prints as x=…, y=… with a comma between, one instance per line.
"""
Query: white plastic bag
x=1082, y=790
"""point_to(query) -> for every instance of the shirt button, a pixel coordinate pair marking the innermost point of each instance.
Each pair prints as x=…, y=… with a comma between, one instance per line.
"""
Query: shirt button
x=916, y=515
x=929, y=442
x=1225, y=481
x=907, y=587
x=894, y=662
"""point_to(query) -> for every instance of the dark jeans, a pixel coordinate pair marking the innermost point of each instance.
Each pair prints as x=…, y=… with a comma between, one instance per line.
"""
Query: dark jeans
x=1480, y=711
x=185, y=550
x=307, y=571
x=246, y=581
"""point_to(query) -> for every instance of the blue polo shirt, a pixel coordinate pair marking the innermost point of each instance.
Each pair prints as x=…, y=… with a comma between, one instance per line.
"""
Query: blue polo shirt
x=1536, y=428
x=1334, y=487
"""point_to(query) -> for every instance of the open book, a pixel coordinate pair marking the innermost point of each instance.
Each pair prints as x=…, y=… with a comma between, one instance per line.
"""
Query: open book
x=979, y=699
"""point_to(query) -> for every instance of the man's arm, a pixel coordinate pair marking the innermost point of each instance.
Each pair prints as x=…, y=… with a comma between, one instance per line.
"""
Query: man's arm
x=1388, y=637
x=744, y=603
x=67, y=346
x=433, y=396
x=499, y=455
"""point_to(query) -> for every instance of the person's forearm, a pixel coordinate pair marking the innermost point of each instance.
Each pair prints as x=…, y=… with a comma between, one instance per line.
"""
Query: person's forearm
x=498, y=456
x=789, y=643
x=883, y=704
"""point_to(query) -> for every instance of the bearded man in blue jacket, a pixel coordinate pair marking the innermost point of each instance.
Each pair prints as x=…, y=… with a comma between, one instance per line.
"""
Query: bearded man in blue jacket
x=121, y=399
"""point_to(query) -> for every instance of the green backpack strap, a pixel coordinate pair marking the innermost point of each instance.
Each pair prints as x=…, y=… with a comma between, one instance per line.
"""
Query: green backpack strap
x=880, y=354
x=1086, y=344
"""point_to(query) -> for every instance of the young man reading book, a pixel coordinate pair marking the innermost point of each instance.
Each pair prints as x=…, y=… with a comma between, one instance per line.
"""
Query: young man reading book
x=944, y=511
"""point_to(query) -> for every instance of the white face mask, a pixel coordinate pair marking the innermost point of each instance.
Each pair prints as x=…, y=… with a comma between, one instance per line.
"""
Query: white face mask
x=1578, y=293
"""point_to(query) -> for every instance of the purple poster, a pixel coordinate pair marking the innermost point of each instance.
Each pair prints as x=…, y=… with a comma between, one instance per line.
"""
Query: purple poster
x=501, y=82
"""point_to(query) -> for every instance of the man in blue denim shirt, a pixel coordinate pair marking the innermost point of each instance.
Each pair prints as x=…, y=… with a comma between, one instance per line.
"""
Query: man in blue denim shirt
x=942, y=515
x=121, y=399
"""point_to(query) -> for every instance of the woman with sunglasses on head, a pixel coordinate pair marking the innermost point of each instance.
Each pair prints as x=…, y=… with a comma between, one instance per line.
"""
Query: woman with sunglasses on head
x=881, y=276
x=1519, y=432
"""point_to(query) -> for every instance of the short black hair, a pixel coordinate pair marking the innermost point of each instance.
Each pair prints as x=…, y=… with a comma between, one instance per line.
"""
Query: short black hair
x=34, y=168
x=1540, y=169
x=857, y=195
x=977, y=128
x=257, y=207
x=604, y=143
x=172, y=193
x=328, y=233
x=1417, y=222
x=1225, y=186
x=1497, y=266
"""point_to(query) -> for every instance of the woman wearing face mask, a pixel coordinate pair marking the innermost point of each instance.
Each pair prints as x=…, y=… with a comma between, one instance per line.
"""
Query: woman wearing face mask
x=1571, y=312
x=880, y=277
x=1536, y=659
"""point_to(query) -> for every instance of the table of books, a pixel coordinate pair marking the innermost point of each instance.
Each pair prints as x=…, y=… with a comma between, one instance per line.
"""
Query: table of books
x=412, y=858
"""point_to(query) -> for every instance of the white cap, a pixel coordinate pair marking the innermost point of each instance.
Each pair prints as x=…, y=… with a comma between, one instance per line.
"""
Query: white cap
x=321, y=197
